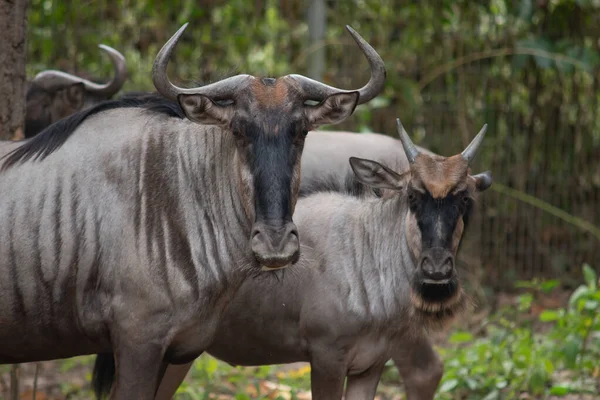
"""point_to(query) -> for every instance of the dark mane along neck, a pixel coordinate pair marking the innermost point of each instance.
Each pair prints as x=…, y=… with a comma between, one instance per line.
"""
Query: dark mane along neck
x=55, y=135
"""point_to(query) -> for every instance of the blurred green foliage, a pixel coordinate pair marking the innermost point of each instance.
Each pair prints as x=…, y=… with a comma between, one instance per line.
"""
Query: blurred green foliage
x=528, y=68
x=516, y=354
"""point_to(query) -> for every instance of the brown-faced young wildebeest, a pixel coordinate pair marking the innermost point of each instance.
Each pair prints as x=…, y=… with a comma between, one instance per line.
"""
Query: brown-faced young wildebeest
x=376, y=273
x=54, y=95
x=128, y=227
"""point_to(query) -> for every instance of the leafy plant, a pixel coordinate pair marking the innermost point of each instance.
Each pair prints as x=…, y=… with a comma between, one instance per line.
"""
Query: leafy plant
x=512, y=359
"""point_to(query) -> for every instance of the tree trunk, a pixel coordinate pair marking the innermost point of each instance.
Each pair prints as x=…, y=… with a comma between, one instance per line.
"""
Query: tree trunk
x=13, y=20
x=317, y=21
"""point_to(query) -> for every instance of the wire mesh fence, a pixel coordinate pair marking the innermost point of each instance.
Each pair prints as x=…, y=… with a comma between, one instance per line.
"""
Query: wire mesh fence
x=530, y=70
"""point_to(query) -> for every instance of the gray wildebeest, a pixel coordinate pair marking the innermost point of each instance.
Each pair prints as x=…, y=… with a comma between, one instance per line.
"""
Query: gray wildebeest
x=128, y=227
x=377, y=272
x=54, y=95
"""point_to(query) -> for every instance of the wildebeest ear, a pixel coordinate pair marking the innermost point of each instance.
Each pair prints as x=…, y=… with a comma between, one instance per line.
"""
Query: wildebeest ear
x=201, y=109
x=483, y=180
x=376, y=175
x=74, y=95
x=332, y=110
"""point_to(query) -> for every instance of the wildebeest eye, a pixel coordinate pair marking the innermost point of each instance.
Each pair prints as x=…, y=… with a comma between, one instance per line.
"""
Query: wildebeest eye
x=304, y=133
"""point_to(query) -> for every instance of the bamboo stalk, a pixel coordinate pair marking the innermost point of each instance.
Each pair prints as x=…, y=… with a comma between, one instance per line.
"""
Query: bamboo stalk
x=549, y=208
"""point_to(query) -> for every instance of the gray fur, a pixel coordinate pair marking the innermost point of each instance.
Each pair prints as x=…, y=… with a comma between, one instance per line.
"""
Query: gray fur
x=122, y=241
x=345, y=310
x=329, y=151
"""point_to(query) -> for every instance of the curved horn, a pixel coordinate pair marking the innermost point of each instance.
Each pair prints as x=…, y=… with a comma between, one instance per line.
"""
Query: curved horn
x=315, y=90
x=471, y=151
x=409, y=147
x=52, y=79
x=221, y=90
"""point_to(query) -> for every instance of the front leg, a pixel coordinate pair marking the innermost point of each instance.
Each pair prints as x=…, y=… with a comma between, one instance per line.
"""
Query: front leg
x=138, y=371
x=327, y=374
x=364, y=386
x=171, y=380
x=420, y=367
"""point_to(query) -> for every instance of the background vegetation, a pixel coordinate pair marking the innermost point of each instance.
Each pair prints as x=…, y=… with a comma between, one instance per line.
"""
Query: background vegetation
x=528, y=68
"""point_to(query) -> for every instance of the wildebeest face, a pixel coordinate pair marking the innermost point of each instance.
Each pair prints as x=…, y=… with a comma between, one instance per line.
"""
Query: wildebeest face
x=269, y=122
x=435, y=222
x=440, y=193
x=269, y=119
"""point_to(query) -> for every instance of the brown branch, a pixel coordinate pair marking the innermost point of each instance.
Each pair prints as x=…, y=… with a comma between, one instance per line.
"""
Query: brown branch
x=14, y=382
x=502, y=52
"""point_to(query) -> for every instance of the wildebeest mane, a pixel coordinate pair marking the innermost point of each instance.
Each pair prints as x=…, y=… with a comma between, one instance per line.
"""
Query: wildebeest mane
x=55, y=135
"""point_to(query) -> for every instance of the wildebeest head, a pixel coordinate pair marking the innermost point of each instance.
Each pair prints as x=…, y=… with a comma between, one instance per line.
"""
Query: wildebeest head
x=54, y=95
x=440, y=193
x=269, y=120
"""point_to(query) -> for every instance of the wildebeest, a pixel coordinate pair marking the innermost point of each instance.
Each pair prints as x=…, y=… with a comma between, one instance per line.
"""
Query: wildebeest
x=376, y=274
x=129, y=226
x=53, y=95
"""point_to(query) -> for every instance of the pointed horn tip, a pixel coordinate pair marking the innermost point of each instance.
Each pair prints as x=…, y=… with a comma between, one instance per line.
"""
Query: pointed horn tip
x=184, y=27
x=355, y=35
x=177, y=35
x=399, y=126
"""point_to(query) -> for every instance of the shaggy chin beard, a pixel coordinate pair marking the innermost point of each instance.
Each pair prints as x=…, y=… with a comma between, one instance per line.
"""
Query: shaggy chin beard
x=437, y=304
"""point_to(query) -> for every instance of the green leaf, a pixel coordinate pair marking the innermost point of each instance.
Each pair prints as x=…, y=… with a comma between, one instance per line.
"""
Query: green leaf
x=471, y=383
x=493, y=395
x=537, y=381
x=525, y=301
x=570, y=352
x=549, y=315
x=460, y=337
x=560, y=389
x=547, y=286
x=448, y=385
x=590, y=276
x=549, y=367
x=591, y=305
x=526, y=284
x=578, y=294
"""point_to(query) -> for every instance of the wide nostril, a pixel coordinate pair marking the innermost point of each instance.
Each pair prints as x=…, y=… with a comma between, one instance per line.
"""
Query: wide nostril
x=254, y=232
x=292, y=233
x=427, y=266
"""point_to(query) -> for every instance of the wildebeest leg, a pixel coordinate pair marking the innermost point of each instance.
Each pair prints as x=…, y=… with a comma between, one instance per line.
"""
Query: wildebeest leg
x=364, y=385
x=327, y=374
x=420, y=367
x=174, y=375
x=138, y=370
